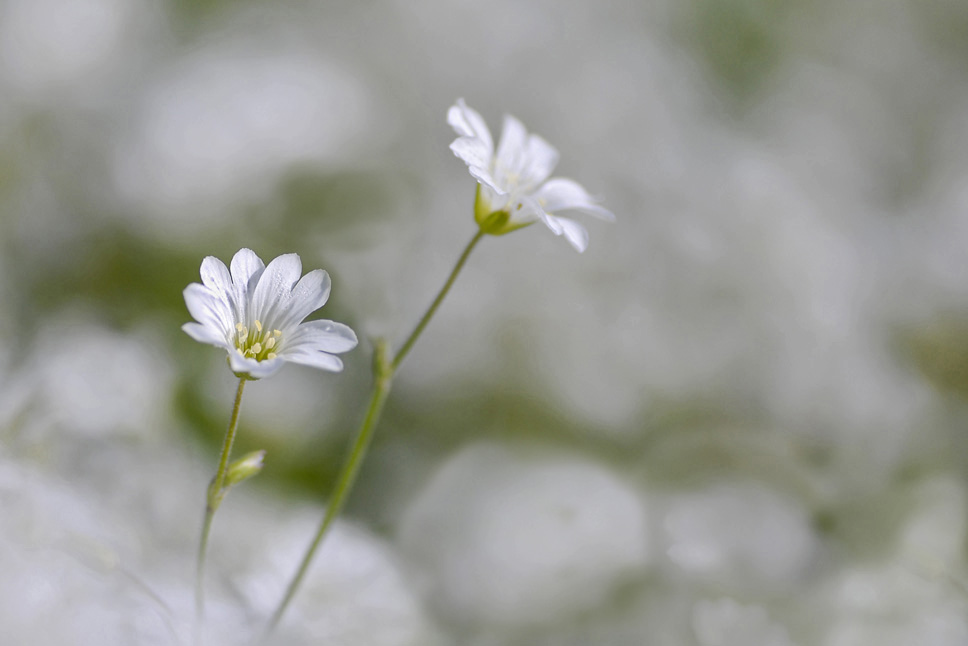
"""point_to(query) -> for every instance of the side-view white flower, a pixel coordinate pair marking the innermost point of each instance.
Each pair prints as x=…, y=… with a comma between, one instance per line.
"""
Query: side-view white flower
x=256, y=312
x=513, y=186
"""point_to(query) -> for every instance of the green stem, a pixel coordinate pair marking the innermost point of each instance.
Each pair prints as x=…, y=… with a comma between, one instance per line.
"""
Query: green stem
x=384, y=371
x=212, y=501
x=405, y=348
x=381, y=388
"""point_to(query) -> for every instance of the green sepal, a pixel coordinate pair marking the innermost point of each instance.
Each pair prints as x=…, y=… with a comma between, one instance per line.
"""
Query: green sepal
x=244, y=468
x=495, y=223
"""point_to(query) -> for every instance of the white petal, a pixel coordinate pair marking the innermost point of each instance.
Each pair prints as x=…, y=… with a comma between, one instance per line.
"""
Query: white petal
x=271, y=297
x=255, y=369
x=540, y=160
x=553, y=223
x=525, y=210
x=478, y=159
x=468, y=123
x=205, y=334
x=511, y=149
x=560, y=194
x=328, y=336
x=208, y=309
x=215, y=275
x=246, y=270
x=308, y=356
x=246, y=266
x=573, y=232
x=309, y=294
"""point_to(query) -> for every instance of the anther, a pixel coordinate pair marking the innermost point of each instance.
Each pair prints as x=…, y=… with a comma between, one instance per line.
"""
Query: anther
x=258, y=325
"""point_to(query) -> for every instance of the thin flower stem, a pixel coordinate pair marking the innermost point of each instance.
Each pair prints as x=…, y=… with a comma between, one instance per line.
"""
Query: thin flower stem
x=405, y=348
x=347, y=476
x=212, y=501
x=384, y=371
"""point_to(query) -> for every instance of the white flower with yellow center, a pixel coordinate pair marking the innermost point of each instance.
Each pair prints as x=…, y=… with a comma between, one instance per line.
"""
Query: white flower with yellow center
x=513, y=187
x=256, y=312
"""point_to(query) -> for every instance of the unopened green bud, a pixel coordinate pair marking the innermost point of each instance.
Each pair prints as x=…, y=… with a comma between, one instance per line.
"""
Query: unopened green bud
x=244, y=468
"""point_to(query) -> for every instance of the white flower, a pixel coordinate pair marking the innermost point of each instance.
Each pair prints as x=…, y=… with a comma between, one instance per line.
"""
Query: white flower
x=513, y=186
x=255, y=312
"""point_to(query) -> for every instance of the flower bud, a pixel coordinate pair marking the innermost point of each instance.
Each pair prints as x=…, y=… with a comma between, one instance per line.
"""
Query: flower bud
x=244, y=468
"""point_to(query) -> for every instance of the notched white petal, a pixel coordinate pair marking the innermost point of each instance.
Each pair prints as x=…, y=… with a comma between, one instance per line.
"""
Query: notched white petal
x=540, y=161
x=312, y=358
x=574, y=233
x=205, y=334
x=328, y=336
x=478, y=160
x=254, y=369
x=471, y=151
x=215, y=275
x=208, y=308
x=309, y=294
x=561, y=194
x=284, y=270
x=467, y=122
x=246, y=268
x=511, y=154
x=271, y=297
x=525, y=210
x=553, y=223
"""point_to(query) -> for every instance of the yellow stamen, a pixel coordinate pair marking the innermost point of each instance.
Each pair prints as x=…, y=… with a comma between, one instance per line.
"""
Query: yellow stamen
x=259, y=343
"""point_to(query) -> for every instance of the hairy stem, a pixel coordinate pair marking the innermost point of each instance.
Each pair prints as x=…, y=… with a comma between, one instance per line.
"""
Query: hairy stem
x=212, y=501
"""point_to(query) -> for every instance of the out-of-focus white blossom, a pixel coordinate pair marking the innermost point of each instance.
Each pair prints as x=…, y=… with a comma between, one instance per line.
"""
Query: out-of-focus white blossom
x=355, y=593
x=89, y=562
x=514, y=539
x=68, y=564
x=51, y=44
x=98, y=382
x=220, y=127
x=933, y=538
x=896, y=605
x=741, y=536
x=728, y=623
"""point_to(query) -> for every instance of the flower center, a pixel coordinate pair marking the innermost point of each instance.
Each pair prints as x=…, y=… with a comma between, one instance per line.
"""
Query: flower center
x=256, y=343
x=511, y=181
